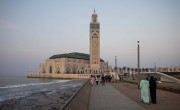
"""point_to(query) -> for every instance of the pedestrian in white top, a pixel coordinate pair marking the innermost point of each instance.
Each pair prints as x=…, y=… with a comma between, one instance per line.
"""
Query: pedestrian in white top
x=97, y=80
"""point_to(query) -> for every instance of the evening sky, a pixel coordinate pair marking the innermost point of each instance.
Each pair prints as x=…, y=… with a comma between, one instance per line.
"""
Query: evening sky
x=33, y=30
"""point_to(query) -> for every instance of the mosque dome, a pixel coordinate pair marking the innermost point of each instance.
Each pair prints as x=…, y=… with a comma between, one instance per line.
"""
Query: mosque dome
x=74, y=55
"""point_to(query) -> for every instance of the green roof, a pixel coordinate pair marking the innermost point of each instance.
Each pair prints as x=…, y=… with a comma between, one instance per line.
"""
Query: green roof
x=74, y=55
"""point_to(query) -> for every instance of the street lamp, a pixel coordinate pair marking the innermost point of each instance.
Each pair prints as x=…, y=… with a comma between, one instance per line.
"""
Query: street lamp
x=116, y=67
x=107, y=68
x=138, y=65
x=115, y=62
x=155, y=67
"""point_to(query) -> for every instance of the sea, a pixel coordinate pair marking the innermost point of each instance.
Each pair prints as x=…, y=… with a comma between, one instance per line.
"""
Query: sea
x=14, y=87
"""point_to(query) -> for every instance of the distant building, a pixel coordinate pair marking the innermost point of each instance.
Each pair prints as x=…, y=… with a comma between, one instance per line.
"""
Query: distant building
x=131, y=70
x=151, y=69
x=168, y=69
x=71, y=63
x=79, y=63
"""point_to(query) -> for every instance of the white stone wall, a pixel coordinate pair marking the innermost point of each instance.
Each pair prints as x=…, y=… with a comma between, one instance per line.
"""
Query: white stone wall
x=70, y=66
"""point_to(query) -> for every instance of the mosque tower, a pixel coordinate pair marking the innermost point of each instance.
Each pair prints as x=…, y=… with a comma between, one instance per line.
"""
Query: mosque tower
x=94, y=43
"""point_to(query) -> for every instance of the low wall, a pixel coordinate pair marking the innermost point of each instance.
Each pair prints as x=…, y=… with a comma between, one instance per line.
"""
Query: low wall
x=60, y=76
x=81, y=99
x=168, y=78
x=38, y=75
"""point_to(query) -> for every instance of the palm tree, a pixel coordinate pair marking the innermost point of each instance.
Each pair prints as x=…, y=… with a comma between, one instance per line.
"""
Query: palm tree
x=140, y=69
x=147, y=70
x=120, y=70
x=136, y=70
x=143, y=69
x=132, y=69
x=128, y=71
x=124, y=68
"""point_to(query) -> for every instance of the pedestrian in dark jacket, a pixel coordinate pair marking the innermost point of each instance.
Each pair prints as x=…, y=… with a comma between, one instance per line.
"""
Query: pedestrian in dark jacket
x=103, y=79
x=152, y=83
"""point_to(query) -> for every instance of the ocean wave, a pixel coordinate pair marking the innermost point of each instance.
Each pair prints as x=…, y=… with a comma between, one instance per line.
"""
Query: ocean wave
x=24, y=92
x=33, y=84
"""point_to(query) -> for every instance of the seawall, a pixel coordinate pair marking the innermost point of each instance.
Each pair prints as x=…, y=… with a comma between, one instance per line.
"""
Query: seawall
x=80, y=100
x=58, y=76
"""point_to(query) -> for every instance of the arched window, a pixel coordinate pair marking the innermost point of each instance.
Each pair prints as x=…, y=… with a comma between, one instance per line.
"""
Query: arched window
x=57, y=70
x=74, y=70
x=50, y=69
x=67, y=70
x=43, y=71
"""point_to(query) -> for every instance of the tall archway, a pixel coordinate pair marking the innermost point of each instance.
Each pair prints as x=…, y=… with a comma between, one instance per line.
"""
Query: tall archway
x=58, y=70
x=74, y=70
x=50, y=69
x=43, y=70
x=68, y=70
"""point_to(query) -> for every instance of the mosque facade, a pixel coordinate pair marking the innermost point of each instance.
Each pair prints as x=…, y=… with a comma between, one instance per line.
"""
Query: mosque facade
x=79, y=63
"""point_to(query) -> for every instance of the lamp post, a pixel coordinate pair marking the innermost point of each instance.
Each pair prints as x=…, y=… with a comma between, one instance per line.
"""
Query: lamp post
x=138, y=65
x=115, y=62
x=155, y=67
x=116, y=68
x=107, y=68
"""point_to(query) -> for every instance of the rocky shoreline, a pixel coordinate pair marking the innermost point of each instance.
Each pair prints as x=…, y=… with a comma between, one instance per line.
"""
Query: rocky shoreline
x=40, y=101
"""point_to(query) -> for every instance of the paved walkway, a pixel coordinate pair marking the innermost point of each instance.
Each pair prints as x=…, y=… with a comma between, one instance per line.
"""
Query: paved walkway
x=168, y=84
x=165, y=100
x=108, y=98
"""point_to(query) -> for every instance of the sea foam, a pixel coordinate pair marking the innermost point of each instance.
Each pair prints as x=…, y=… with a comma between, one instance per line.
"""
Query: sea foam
x=33, y=84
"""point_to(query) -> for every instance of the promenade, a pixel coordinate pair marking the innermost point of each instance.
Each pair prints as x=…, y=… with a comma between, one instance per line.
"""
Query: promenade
x=120, y=96
x=106, y=97
x=165, y=100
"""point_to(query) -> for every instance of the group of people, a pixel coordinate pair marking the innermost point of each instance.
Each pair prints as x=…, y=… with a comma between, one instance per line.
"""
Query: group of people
x=147, y=85
x=101, y=78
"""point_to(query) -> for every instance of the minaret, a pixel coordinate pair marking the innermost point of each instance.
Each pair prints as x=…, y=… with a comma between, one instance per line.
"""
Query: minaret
x=94, y=43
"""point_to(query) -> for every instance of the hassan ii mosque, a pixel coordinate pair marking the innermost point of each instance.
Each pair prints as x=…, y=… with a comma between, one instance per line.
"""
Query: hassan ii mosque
x=79, y=63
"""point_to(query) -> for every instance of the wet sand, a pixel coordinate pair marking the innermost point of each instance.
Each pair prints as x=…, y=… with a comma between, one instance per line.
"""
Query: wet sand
x=40, y=101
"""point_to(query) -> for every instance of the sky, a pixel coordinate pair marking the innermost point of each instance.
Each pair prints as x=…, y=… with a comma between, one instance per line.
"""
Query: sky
x=31, y=31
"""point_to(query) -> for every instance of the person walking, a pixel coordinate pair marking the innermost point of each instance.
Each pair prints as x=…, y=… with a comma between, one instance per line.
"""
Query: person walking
x=152, y=83
x=109, y=78
x=97, y=80
x=103, y=79
x=112, y=78
x=92, y=80
x=106, y=78
x=144, y=86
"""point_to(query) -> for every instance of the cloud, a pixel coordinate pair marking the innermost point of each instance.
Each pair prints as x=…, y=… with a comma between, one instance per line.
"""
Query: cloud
x=4, y=24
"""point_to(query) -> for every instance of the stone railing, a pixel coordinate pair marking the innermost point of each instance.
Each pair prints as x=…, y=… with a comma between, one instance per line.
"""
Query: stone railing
x=60, y=76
